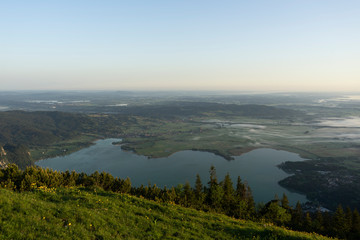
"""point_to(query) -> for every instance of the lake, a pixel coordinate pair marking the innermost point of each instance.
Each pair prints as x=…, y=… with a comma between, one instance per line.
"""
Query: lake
x=258, y=167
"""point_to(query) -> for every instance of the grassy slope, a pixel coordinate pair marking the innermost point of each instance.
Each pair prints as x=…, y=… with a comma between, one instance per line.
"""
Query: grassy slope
x=88, y=214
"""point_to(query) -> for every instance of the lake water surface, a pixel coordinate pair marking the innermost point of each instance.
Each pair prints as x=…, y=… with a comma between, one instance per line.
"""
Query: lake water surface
x=258, y=167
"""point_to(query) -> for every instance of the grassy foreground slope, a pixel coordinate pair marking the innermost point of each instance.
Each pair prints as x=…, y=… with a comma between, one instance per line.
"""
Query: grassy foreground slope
x=95, y=214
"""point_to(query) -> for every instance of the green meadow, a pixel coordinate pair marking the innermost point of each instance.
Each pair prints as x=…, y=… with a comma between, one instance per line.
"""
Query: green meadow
x=79, y=213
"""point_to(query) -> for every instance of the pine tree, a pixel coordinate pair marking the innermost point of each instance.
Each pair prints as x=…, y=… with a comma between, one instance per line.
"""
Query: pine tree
x=339, y=223
x=240, y=206
x=327, y=222
x=308, y=223
x=276, y=197
x=240, y=189
x=198, y=185
x=228, y=197
x=296, y=217
x=187, y=196
x=125, y=186
x=318, y=223
x=285, y=202
x=348, y=219
x=173, y=196
x=199, y=194
x=355, y=228
x=213, y=178
x=215, y=192
x=274, y=213
x=250, y=203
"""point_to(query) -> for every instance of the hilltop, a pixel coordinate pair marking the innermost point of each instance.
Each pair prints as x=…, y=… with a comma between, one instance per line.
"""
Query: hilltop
x=79, y=213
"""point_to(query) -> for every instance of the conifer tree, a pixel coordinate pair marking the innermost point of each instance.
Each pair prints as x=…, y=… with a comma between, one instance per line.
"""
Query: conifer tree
x=213, y=178
x=198, y=185
x=228, y=196
x=327, y=222
x=240, y=189
x=239, y=208
x=250, y=202
x=348, y=219
x=275, y=213
x=296, y=217
x=276, y=197
x=308, y=222
x=125, y=186
x=355, y=228
x=215, y=192
x=199, y=194
x=285, y=202
x=318, y=222
x=187, y=195
x=339, y=222
x=173, y=196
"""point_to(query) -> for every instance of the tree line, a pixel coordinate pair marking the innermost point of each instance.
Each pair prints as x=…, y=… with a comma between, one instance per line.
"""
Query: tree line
x=215, y=196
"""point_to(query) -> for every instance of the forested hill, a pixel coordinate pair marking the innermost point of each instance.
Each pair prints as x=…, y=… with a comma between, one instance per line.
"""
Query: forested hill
x=34, y=128
x=20, y=130
x=18, y=154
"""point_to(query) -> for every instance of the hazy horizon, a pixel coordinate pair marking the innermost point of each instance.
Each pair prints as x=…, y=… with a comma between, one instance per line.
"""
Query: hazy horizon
x=229, y=46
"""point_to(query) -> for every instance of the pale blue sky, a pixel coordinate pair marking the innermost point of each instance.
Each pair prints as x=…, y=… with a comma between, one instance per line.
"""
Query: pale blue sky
x=268, y=45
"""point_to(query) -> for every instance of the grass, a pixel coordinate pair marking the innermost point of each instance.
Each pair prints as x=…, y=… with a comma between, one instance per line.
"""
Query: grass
x=93, y=214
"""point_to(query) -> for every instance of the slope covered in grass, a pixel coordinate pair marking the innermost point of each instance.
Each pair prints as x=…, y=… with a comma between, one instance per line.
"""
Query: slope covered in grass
x=78, y=213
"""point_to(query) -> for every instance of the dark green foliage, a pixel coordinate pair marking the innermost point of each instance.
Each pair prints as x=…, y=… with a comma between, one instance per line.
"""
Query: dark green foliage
x=21, y=131
x=297, y=217
x=348, y=219
x=318, y=222
x=308, y=223
x=18, y=154
x=339, y=222
x=213, y=178
x=327, y=217
x=31, y=128
x=240, y=189
x=310, y=179
x=275, y=213
x=215, y=192
x=243, y=205
x=228, y=200
x=199, y=197
x=285, y=202
x=187, y=196
x=355, y=228
x=185, y=109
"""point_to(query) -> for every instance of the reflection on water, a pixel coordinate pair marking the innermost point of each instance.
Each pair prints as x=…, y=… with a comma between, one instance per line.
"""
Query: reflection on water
x=257, y=167
x=353, y=122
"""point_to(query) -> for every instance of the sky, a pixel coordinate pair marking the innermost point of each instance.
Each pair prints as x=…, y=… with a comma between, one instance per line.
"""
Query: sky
x=242, y=45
